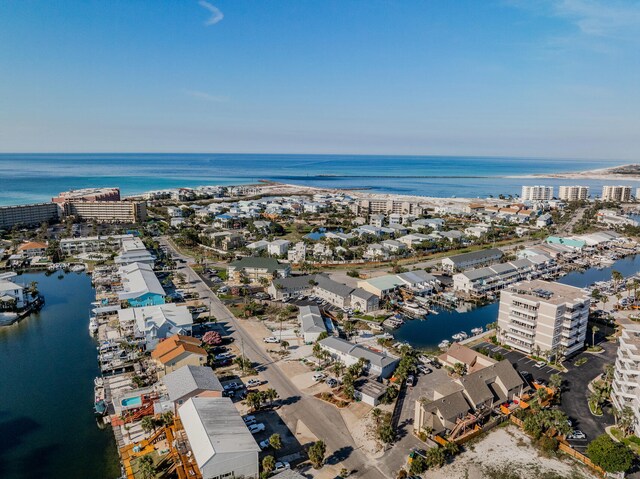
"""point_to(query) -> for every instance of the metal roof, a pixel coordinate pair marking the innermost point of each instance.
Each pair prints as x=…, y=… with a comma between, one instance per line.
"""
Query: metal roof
x=188, y=379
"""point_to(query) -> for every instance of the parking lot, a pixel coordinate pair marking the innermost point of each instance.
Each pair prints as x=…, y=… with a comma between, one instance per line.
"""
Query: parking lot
x=573, y=400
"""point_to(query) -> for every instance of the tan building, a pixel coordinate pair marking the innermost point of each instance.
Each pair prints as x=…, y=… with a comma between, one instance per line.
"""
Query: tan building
x=88, y=194
x=473, y=360
x=108, y=211
x=616, y=193
x=573, y=193
x=27, y=215
x=178, y=351
x=626, y=380
x=537, y=193
x=382, y=206
x=543, y=318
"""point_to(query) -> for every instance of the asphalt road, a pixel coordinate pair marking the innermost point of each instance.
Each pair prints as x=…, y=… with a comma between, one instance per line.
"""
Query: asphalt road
x=322, y=419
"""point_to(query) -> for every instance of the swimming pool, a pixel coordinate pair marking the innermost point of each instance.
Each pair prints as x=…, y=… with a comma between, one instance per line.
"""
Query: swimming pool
x=132, y=402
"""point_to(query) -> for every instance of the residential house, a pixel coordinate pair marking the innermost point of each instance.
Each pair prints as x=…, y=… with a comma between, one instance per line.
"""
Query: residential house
x=191, y=381
x=254, y=269
x=155, y=323
x=178, y=351
x=140, y=286
x=377, y=363
x=133, y=250
x=33, y=248
x=311, y=323
x=221, y=443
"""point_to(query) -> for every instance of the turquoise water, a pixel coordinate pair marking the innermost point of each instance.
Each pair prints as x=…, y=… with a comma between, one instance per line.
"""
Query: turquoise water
x=429, y=333
x=132, y=402
x=31, y=178
x=47, y=365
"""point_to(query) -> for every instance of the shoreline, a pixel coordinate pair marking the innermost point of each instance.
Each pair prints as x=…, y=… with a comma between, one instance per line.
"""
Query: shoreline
x=597, y=174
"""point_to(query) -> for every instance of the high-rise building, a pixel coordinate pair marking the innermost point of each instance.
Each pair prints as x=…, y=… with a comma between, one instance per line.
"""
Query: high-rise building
x=626, y=380
x=28, y=215
x=537, y=193
x=616, y=193
x=543, y=318
x=573, y=193
x=88, y=194
x=108, y=211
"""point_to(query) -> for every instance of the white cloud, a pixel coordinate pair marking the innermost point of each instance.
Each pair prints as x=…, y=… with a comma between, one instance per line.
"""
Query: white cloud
x=598, y=17
x=206, y=96
x=216, y=14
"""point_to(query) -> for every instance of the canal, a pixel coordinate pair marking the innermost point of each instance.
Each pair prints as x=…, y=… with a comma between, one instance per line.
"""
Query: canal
x=47, y=365
x=430, y=332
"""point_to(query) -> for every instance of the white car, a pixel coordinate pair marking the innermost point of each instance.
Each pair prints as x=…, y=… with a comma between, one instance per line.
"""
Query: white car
x=271, y=339
x=577, y=435
x=254, y=382
x=539, y=364
x=281, y=466
x=256, y=428
x=319, y=377
x=232, y=386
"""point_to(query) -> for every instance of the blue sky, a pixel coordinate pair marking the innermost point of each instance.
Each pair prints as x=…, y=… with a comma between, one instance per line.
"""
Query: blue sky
x=553, y=78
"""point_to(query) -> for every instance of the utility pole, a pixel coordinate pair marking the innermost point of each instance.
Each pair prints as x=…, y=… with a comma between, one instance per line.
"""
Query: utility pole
x=242, y=354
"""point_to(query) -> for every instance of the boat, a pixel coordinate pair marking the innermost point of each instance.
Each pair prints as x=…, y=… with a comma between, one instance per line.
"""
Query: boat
x=475, y=331
x=444, y=344
x=100, y=408
x=77, y=268
x=460, y=336
x=93, y=326
x=98, y=381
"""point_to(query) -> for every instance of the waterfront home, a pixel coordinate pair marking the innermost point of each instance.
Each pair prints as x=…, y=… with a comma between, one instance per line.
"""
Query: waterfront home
x=254, y=269
x=191, y=381
x=140, y=286
x=12, y=295
x=382, y=285
x=377, y=363
x=419, y=281
x=363, y=301
x=178, y=351
x=154, y=323
x=574, y=244
x=33, y=248
x=219, y=439
x=459, y=353
x=470, y=260
x=311, y=323
x=133, y=250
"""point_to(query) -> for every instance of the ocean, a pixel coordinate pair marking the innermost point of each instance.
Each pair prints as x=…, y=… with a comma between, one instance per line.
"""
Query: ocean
x=29, y=178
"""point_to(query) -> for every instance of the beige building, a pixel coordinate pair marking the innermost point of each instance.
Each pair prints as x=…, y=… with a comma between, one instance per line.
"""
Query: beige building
x=372, y=206
x=543, y=318
x=573, y=193
x=537, y=193
x=108, y=211
x=616, y=193
x=626, y=381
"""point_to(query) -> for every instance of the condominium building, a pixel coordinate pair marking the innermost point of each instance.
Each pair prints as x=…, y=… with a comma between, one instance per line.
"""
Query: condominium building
x=543, y=318
x=28, y=215
x=626, y=380
x=537, y=193
x=573, y=193
x=90, y=244
x=88, y=194
x=370, y=206
x=616, y=193
x=108, y=211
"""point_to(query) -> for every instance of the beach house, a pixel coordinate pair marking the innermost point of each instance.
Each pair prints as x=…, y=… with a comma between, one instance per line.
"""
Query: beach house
x=140, y=286
x=377, y=363
x=177, y=351
x=154, y=323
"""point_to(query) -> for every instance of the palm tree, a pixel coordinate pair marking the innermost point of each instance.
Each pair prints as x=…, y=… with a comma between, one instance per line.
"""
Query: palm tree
x=555, y=381
x=376, y=413
x=148, y=424
x=594, y=330
x=271, y=394
x=626, y=419
x=147, y=467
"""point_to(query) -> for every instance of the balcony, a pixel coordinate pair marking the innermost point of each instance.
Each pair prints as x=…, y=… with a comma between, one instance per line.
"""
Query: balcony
x=522, y=329
x=526, y=320
x=528, y=312
x=518, y=338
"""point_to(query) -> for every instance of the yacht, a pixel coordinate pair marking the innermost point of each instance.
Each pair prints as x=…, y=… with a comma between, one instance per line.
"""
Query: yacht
x=444, y=344
x=93, y=326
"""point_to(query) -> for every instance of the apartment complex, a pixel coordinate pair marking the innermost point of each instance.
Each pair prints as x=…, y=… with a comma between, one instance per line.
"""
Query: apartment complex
x=370, y=206
x=90, y=244
x=88, y=194
x=537, y=193
x=473, y=259
x=616, y=193
x=108, y=211
x=626, y=380
x=28, y=215
x=543, y=318
x=573, y=193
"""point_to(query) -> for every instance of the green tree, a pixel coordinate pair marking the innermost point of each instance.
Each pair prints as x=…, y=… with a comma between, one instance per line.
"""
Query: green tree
x=254, y=400
x=275, y=441
x=436, y=457
x=418, y=465
x=271, y=395
x=148, y=424
x=268, y=464
x=316, y=454
x=146, y=466
x=610, y=455
x=626, y=419
x=556, y=382
x=594, y=330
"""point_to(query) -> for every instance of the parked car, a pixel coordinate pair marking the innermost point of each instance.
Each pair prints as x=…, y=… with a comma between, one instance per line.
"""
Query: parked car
x=229, y=394
x=577, y=434
x=232, y=386
x=281, y=466
x=331, y=382
x=411, y=380
x=253, y=383
x=256, y=428
x=271, y=339
x=251, y=422
x=248, y=419
x=539, y=364
x=264, y=444
x=424, y=369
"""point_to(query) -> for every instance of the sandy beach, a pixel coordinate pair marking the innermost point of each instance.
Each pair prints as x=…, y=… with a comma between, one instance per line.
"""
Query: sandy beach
x=629, y=172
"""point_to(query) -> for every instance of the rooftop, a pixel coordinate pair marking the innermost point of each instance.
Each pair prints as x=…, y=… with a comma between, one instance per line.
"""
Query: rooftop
x=187, y=379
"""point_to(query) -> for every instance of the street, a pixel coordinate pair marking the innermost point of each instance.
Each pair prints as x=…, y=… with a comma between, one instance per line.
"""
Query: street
x=322, y=419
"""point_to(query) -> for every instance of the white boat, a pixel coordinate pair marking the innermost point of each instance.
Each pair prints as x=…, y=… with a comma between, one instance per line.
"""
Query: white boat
x=460, y=336
x=98, y=381
x=444, y=344
x=77, y=268
x=475, y=331
x=93, y=326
